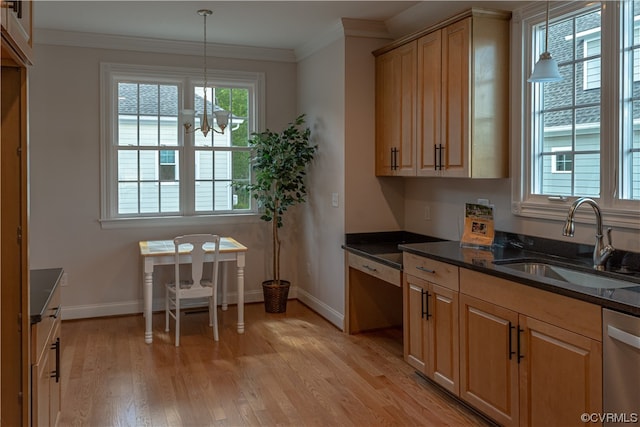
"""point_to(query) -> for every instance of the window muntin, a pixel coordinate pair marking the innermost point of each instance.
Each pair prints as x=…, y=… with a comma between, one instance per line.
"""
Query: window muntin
x=152, y=167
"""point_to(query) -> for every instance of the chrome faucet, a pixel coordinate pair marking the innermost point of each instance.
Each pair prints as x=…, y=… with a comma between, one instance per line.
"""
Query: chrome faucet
x=600, y=252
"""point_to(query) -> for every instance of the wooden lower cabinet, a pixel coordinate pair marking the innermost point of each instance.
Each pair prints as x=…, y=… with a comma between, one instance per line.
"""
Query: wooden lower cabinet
x=489, y=366
x=431, y=331
x=520, y=370
x=560, y=375
x=45, y=370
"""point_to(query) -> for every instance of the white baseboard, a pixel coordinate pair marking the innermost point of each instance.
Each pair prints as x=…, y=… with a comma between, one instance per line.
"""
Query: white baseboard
x=134, y=307
x=333, y=316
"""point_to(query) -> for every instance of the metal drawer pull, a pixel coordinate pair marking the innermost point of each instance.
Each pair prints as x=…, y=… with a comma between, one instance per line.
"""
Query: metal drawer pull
x=57, y=313
x=370, y=268
x=625, y=337
x=426, y=270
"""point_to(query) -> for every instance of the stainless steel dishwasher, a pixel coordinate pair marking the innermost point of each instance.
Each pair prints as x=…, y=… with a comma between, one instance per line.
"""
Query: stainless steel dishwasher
x=621, y=368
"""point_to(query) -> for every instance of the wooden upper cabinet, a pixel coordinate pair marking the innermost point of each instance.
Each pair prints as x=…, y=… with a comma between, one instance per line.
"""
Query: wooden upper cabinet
x=17, y=29
x=395, y=111
x=461, y=101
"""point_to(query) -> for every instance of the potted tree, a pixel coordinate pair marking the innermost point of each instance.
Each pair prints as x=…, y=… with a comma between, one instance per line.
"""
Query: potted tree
x=280, y=161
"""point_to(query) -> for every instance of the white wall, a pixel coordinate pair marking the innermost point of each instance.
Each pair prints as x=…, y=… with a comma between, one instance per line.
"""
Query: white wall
x=446, y=199
x=321, y=97
x=103, y=265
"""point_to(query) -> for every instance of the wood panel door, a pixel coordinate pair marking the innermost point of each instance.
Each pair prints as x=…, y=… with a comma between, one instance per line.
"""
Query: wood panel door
x=414, y=327
x=488, y=359
x=395, y=111
x=14, y=288
x=456, y=102
x=428, y=135
x=560, y=375
x=443, y=340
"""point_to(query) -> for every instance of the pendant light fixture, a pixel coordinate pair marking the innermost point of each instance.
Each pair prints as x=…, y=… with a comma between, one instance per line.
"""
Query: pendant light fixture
x=221, y=116
x=546, y=69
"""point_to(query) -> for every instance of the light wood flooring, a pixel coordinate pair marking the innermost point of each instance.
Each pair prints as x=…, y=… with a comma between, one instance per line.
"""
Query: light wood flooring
x=291, y=369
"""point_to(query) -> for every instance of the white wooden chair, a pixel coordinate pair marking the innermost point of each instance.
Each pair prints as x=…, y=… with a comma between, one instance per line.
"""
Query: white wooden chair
x=196, y=286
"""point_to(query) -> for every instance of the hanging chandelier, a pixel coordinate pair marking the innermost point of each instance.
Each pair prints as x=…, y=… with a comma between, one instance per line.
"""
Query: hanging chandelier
x=220, y=115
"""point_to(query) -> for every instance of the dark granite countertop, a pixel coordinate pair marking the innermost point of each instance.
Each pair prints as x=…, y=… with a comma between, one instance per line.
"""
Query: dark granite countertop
x=383, y=246
x=42, y=284
x=626, y=300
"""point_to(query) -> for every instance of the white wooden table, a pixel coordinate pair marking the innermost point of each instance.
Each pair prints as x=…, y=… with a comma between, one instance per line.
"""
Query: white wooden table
x=161, y=252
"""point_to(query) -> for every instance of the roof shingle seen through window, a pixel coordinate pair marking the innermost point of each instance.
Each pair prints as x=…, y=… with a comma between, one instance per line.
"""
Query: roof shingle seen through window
x=130, y=93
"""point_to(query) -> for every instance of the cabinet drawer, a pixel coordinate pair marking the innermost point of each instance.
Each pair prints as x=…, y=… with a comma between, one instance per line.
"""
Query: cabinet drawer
x=40, y=331
x=433, y=271
x=562, y=311
x=376, y=269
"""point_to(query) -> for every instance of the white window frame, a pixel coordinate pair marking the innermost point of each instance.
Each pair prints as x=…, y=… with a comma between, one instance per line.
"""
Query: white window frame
x=186, y=78
x=616, y=212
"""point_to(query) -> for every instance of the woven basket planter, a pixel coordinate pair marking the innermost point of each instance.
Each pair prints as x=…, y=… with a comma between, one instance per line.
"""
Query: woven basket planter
x=275, y=296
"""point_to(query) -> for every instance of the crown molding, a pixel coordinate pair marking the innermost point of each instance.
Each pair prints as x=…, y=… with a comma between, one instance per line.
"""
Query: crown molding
x=106, y=41
x=346, y=27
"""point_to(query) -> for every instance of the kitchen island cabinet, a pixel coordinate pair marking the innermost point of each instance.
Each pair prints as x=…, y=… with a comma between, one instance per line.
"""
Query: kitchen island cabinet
x=455, y=122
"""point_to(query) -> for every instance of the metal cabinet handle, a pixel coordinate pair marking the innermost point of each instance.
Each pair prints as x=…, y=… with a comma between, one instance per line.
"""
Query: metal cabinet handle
x=511, y=328
x=424, y=304
x=426, y=270
x=520, y=355
x=56, y=346
x=622, y=336
x=370, y=268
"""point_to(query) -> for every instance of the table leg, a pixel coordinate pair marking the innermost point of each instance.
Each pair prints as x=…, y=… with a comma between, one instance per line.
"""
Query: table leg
x=225, y=285
x=147, y=291
x=240, y=264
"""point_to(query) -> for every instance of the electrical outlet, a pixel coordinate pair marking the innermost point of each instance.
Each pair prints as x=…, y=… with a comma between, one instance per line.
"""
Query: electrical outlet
x=427, y=213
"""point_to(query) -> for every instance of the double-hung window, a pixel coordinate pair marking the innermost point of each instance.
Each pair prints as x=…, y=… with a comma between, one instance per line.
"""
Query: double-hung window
x=154, y=168
x=579, y=137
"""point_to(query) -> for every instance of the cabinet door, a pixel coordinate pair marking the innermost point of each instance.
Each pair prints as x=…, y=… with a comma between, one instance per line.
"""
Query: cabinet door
x=560, y=375
x=455, y=98
x=488, y=359
x=40, y=393
x=442, y=347
x=414, y=327
x=14, y=273
x=17, y=22
x=395, y=111
x=55, y=383
x=428, y=103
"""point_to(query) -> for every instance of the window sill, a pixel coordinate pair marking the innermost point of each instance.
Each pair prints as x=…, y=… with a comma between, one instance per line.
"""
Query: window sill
x=611, y=217
x=170, y=221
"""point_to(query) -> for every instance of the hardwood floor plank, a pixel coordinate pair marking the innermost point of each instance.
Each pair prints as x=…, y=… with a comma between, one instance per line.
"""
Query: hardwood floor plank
x=290, y=369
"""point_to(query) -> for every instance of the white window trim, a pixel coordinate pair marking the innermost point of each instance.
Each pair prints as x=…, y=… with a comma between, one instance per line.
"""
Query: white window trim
x=617, y=213
x=109, y=72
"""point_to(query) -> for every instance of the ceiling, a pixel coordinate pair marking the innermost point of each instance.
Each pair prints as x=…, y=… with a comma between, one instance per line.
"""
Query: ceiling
x=269, y=24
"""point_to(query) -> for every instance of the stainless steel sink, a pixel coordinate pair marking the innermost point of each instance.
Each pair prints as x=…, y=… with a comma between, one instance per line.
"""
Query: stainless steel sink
x=567, y=274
